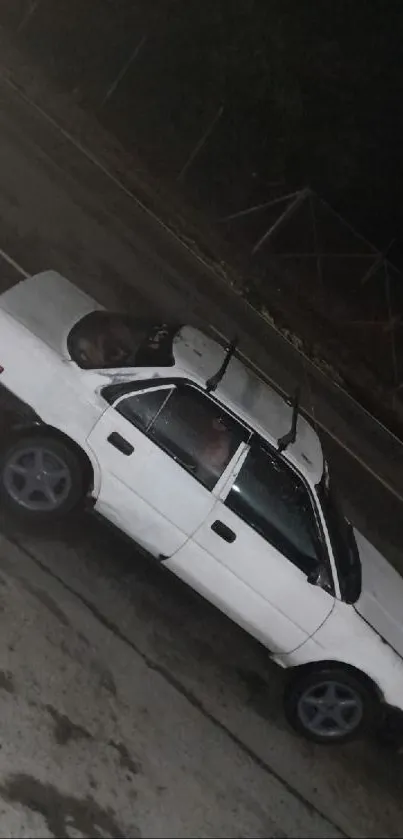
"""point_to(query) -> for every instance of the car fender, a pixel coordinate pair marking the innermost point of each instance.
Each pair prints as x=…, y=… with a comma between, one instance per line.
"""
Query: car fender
x=346, y=639
x=81, y=443
x=19, y=418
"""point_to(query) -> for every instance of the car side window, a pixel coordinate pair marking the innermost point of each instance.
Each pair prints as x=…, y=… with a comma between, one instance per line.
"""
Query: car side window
x=273, y=500
x=189, y=426
x=142, y=408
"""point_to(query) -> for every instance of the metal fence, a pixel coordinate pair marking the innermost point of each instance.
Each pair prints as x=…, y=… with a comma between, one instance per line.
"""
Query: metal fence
x=332, y=271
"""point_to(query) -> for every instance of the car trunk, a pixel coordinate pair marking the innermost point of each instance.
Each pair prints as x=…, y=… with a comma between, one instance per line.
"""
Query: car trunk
x=48, y=305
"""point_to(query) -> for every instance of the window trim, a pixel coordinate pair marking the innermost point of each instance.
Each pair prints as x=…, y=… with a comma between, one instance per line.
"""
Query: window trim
x=258, y=441
x=116, y=404
x=113, y=393
x=332, y=552
x=124, y=390
x=158, y=382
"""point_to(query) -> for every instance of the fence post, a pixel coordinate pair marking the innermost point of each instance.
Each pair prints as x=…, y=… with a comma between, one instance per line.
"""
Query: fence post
x=395, y=366
x=124, y=70
x=317, y=246
x=200, y=144
x=291, y=209
x=28, y=14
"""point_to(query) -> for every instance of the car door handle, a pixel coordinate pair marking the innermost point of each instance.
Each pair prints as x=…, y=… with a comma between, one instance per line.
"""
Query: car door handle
x=223, y=531
x=120, y=443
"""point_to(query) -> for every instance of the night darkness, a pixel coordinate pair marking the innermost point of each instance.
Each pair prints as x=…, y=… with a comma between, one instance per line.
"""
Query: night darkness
x=312, y=93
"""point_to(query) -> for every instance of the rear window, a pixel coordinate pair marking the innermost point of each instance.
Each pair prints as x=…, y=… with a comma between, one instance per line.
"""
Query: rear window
x=103, y=340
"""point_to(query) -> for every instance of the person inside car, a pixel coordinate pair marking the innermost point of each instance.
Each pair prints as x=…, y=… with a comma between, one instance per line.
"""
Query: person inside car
x=216, y=449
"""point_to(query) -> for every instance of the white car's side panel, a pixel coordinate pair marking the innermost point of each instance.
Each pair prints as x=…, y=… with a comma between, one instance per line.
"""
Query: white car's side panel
x=290, y=609
x=52, y=387
x=224, y=589
x=147, y=494
x=29, y=365
x=381, y=600
x=347, y=639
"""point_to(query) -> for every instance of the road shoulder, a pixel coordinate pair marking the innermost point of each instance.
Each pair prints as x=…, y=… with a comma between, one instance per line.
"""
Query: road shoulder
x=95, y=741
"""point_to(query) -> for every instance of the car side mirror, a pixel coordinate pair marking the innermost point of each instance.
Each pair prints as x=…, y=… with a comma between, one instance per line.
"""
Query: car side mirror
x=313, y=575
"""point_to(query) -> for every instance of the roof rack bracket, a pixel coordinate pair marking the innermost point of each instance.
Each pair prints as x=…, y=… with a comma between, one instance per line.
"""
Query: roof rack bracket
x=213, y=382
x=289, y=438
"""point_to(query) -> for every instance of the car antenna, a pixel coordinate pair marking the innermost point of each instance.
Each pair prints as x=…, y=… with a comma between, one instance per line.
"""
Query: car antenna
x=213, y=382
x=289, y=438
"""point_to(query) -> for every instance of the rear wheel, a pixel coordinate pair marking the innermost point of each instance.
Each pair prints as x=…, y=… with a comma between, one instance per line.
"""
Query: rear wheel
x=330, y=705
x=40, y=477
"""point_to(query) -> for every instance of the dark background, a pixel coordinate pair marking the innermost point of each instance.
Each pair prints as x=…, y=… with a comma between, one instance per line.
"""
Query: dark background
x=280, y=95
x=312, y=92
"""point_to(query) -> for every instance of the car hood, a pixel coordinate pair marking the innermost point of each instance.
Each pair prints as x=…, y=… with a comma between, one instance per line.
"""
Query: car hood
x=48, y=305
x=381, y=599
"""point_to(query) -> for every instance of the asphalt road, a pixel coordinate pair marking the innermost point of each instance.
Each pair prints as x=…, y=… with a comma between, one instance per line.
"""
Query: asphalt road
x=58, y=210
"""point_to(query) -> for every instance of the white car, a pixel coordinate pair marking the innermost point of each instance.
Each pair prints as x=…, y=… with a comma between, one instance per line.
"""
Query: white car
x=182, y=447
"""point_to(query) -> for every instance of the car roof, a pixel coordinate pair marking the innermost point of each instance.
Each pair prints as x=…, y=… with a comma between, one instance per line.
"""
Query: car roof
x=197, y=357
x=43, y=299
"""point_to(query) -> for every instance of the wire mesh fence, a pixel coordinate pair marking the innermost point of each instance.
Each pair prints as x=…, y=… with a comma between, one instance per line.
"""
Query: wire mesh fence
x=332, y=271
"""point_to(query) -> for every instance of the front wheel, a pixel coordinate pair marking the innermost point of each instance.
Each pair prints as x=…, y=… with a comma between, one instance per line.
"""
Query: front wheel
x=40, y=478
x=330, y=705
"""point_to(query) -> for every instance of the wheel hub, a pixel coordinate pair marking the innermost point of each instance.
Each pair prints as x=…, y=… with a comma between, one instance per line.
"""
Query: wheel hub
x=37, y=479
x=330, y=709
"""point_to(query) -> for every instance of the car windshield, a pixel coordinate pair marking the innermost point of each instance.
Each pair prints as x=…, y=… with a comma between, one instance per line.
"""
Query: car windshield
x=103, y=340
x=343, y=542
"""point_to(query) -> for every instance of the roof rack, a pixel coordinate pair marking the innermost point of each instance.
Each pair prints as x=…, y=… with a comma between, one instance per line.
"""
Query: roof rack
x=213, y=382
x=289, y=438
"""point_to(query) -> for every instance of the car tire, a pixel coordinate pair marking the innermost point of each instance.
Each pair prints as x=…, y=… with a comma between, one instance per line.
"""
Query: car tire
x=41, y=478
x=330, y=705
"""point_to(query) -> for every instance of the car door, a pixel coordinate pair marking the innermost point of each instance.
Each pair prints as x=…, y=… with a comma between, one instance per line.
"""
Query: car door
x=151, y=444
x=254, y=552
